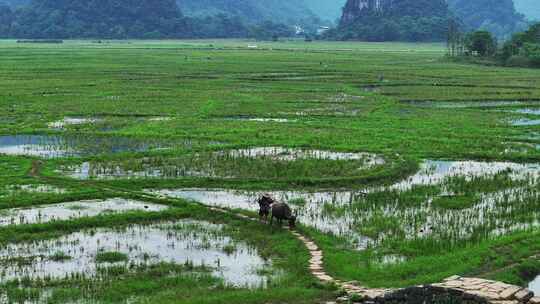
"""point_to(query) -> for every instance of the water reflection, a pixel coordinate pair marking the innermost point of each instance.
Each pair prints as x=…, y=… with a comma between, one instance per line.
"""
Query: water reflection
x=73, y=210
x=182, y=242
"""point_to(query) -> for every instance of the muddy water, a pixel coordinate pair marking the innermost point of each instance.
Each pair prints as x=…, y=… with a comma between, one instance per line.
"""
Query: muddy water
x=534, y=286
x=186, y=241
x=346, y=212
x=73, y=210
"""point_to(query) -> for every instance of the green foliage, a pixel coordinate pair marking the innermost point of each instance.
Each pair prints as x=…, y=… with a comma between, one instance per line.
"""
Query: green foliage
x=252, y=11
x=124, y=19
x=176, y=79
x=60, y=256
x=424, y=20
x=111, y=257
x=455, y=202
x=481, y=43
x=523, y=49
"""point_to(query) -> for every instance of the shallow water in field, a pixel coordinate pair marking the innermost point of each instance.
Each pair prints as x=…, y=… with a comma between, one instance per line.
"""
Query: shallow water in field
x=346, y=212
x=523, y=122
x=465, y=104
x=534, y=286
x=392, y=259
x=433, y=172
x=207, y=165
x=39, y=188
x=73, y=210
x=72, y=121
x=530, y=111
x=261, y=119
x=182, y=242
x=310, y=208
x=54, y=146
x=286, y=154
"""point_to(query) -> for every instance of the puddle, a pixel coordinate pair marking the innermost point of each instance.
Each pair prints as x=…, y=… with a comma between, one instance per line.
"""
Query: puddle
x=70, y=121
x=523, y=122
x=181, y=242
x=345, y=213
x=392, y=259
x=160, y=118
x=534, y=286
x=54, y=146
x=288, y=154
x=73, y=210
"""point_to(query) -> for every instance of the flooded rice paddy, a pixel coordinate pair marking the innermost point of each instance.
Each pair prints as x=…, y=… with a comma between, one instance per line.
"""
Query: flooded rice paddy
x=523, y=122
x=287, y=154
x=72, y=121
x=35, y=188
x=261, y=119
x=73, y=210
x=184, y=242
x=441, y=202
x=504, y=106
x=471, y=104
x=267, y=162
x=529, y=111
x=55, y=146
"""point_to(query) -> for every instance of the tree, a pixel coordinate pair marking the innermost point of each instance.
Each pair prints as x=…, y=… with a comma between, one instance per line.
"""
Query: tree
x=455, y=38
x=481, y=42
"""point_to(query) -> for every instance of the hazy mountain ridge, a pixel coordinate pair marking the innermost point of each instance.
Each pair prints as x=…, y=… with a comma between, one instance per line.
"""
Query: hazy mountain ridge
x=497, y=16
x=412, y=20
x=253, y=11
x=393, y=20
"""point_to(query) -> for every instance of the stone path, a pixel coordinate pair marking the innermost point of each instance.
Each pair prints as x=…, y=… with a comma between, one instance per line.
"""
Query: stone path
x=467, y=290
x=464, y=290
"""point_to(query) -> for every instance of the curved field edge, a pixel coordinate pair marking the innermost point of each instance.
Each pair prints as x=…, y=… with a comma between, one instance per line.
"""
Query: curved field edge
x=288, y=255
x=484, y=259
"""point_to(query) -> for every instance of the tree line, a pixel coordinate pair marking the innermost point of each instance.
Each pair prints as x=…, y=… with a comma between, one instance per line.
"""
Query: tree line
x=522, y=50
x=122, y=19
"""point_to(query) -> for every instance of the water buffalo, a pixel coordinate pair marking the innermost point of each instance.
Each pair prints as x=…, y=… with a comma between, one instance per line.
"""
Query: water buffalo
x=281, y=211
x=265, y=204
